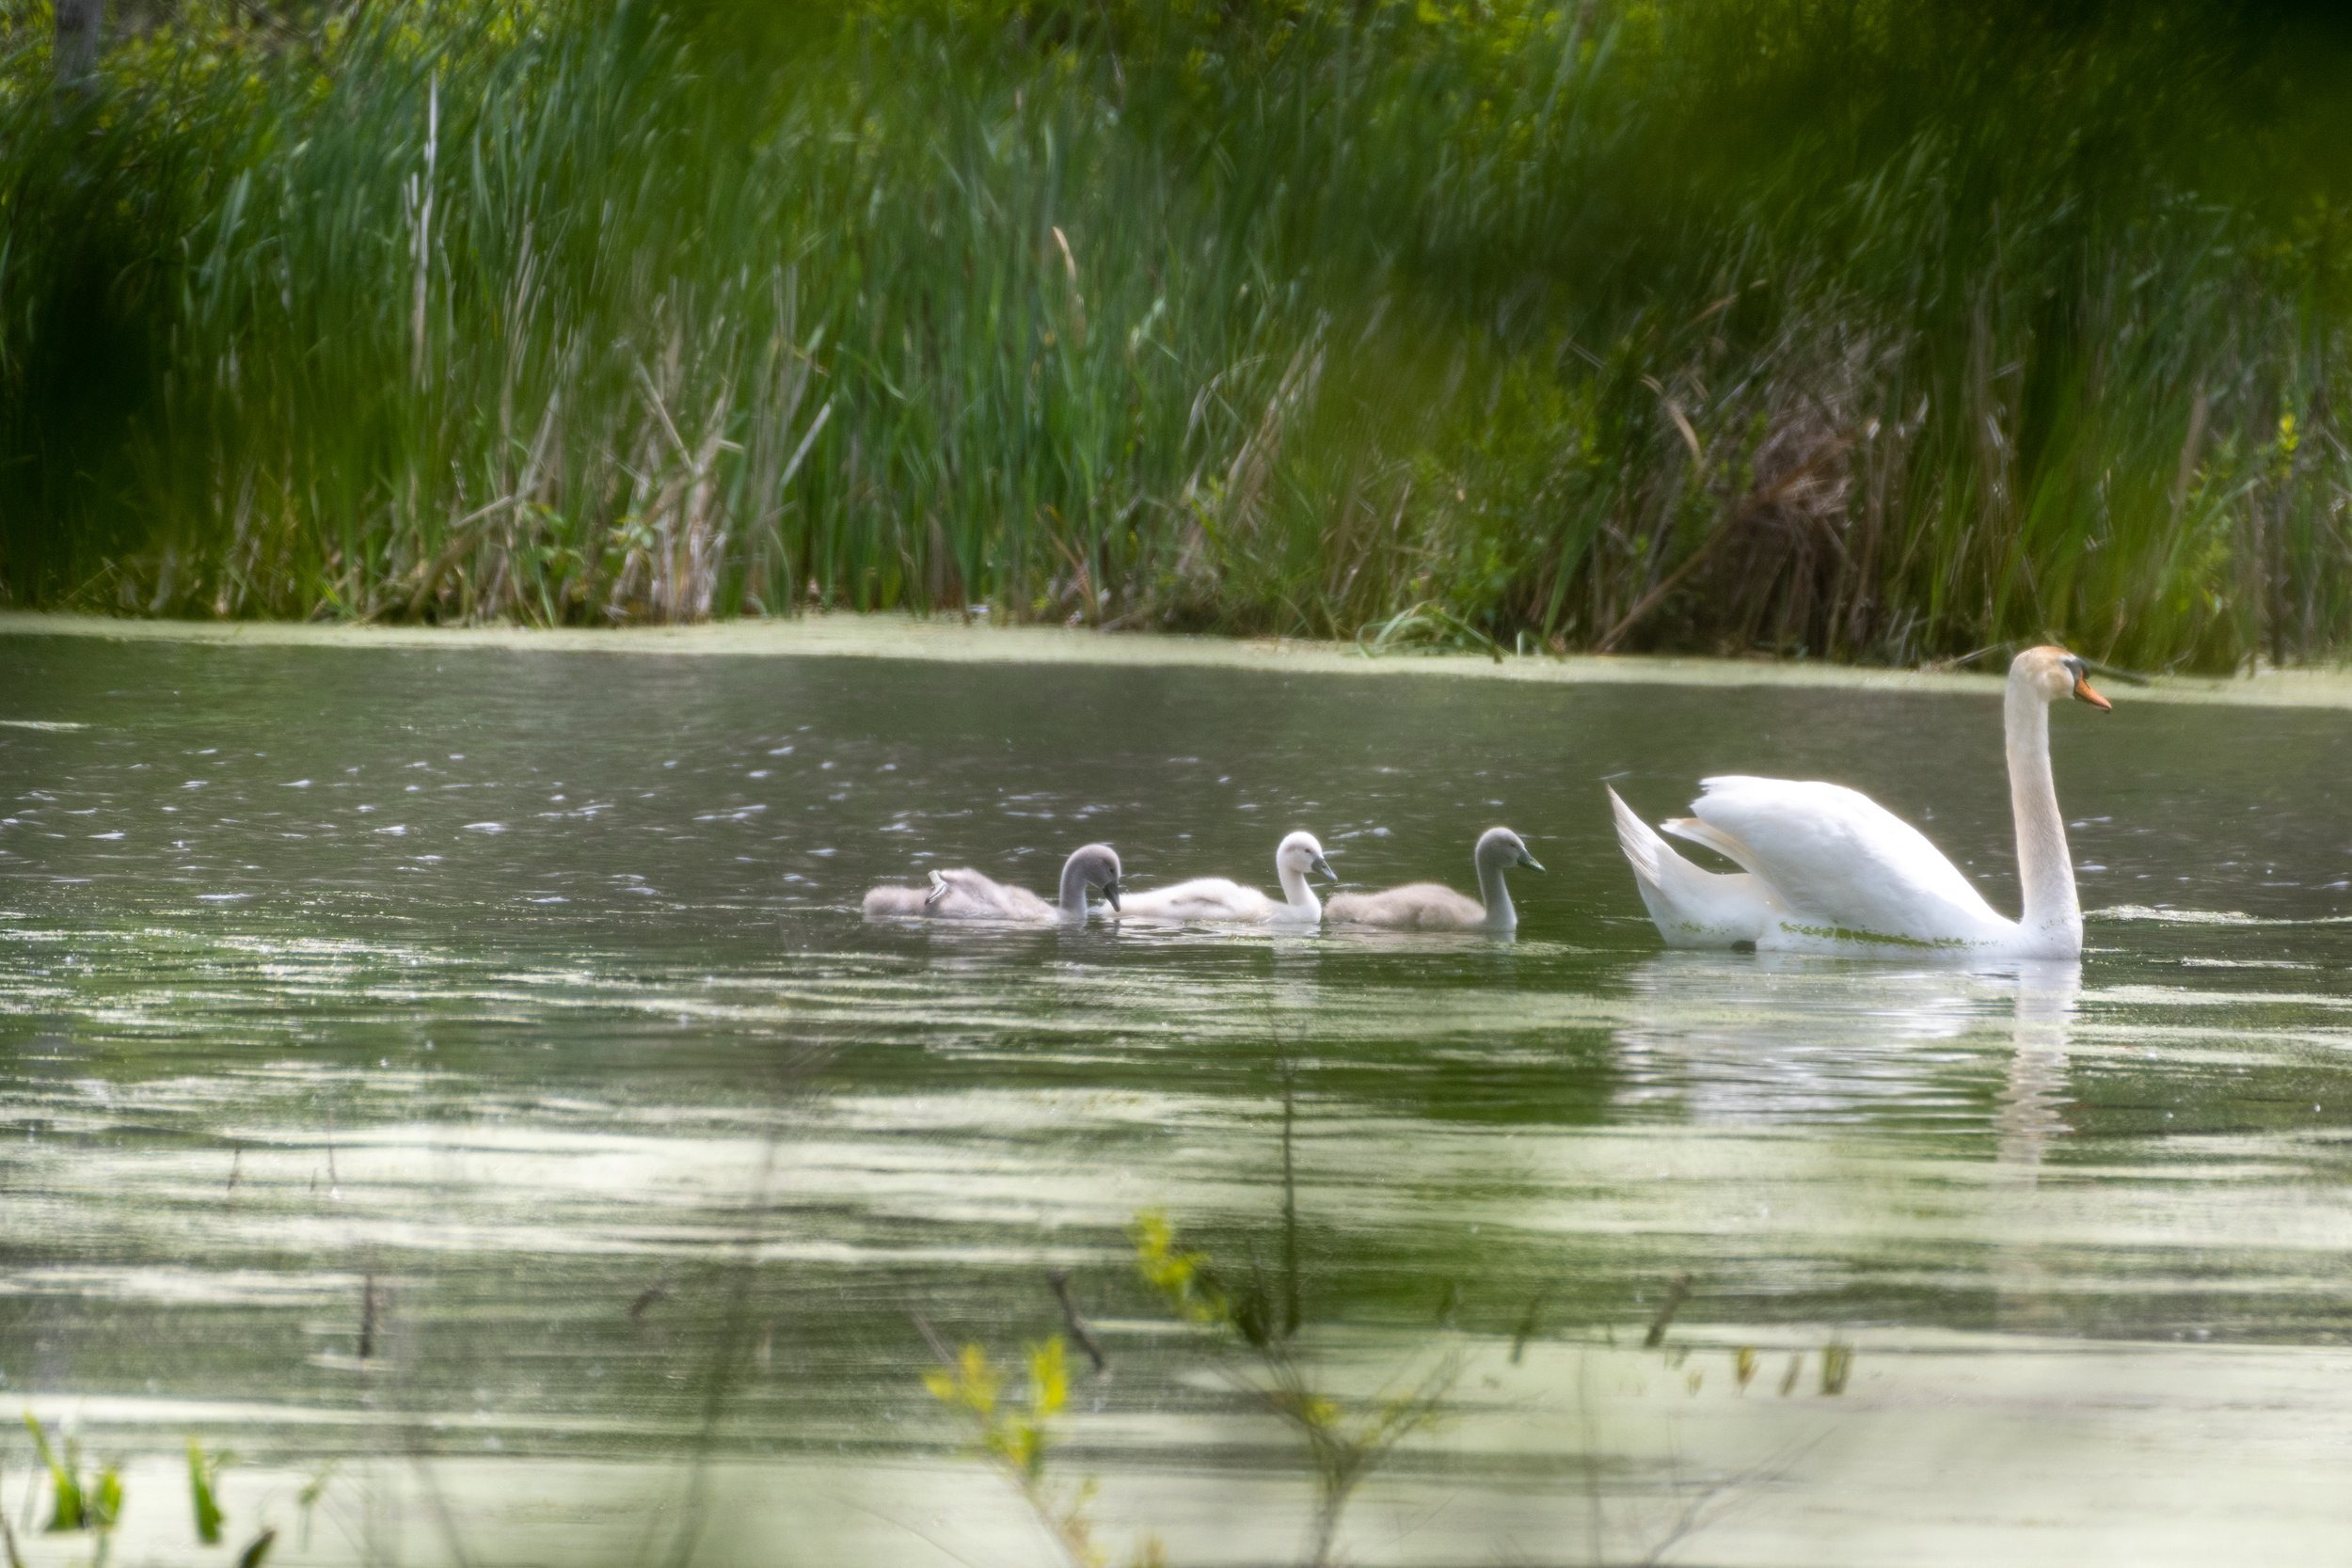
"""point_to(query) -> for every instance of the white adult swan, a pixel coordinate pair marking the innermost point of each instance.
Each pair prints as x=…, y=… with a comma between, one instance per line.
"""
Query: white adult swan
x=1214, y=898
x=1831, y=870
x=966, y=895
x=1434, y=907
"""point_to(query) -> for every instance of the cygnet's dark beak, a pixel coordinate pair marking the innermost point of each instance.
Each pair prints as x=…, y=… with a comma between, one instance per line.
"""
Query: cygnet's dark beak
x=1110, y=894
x=1324, y=867
x=1530, y=862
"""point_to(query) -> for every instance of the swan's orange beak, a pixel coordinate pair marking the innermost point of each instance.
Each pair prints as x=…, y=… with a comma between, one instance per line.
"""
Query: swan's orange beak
x=2084, y=694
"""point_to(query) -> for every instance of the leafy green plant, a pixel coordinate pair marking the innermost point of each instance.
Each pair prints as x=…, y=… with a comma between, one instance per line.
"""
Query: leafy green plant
x=1014, y=1436
x=1018, y=1438
x=1345, y=1441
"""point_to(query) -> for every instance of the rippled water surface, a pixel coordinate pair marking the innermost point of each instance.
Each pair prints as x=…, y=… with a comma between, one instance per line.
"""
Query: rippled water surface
x=464, y=1076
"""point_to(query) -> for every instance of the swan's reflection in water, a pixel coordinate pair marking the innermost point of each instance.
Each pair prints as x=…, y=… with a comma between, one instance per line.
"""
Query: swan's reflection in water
x=1754, y=1043
x=2033, y=1094
x=1779, y=1038
x=2027, y=1268
x=1776, y=1038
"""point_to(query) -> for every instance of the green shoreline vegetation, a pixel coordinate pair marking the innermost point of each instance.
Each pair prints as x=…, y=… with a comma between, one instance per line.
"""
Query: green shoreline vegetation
x=1865, y=331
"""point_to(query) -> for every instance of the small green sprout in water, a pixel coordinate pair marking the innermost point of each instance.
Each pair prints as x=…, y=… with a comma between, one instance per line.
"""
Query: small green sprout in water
x=204, y=1498
x=1743, y=1366
x=1530, y=1322
x=307, y=1499
x=1678, y=1291
x=1449, y=1305
x=203, y=1491
x=1837, y=1366
x=93, y=1505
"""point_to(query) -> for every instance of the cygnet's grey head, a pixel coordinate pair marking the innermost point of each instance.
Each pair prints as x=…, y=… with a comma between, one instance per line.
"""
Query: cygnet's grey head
x=1302, y=853
x=1099, y=865
x=1501, y=847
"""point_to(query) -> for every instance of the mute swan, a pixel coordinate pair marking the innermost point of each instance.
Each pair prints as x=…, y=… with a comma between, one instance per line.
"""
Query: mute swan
x=1830, y=870
x=1214, y=898
x=966, y=895
x=1434, y=907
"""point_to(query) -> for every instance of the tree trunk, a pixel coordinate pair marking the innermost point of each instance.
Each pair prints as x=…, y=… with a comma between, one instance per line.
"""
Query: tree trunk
x=77, y=51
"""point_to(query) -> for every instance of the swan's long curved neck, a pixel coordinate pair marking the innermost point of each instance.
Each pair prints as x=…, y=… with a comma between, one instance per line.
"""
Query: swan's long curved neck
x=2044, y=868
x=1495, y=892
x=1298, y=892
x=1074, y=889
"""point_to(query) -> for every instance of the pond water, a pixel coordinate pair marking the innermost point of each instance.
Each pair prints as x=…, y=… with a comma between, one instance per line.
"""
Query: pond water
x=458, y=1081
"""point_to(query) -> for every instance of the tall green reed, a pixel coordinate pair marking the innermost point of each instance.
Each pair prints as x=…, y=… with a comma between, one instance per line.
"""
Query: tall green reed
x=1865, y=331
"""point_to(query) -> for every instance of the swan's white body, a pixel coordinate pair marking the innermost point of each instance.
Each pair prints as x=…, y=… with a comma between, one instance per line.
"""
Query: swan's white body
x=964, y=894
x=1829, y=870
x=1216, y=898
x=1434, y=907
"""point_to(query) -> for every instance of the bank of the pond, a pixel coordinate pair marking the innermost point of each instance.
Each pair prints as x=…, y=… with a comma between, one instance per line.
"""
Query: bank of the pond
x=1868, y=332
x=886, y=636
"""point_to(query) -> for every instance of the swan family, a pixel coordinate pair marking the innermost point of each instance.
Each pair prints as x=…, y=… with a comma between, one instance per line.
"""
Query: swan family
x=1822, y=868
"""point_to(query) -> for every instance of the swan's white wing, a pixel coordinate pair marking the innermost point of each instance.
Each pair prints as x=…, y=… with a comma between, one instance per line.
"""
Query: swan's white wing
x=1692, y=908
x=1202, y=899
x=1833, y=855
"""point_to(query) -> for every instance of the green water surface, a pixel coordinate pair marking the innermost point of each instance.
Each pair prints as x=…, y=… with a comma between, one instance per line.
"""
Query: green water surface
x=511, y=1010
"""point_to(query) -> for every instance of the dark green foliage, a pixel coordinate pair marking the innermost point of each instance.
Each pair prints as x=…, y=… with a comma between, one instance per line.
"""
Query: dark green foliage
x=1864, y=330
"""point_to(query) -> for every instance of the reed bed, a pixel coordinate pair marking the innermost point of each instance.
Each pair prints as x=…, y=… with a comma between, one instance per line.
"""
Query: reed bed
x=1870, y=330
